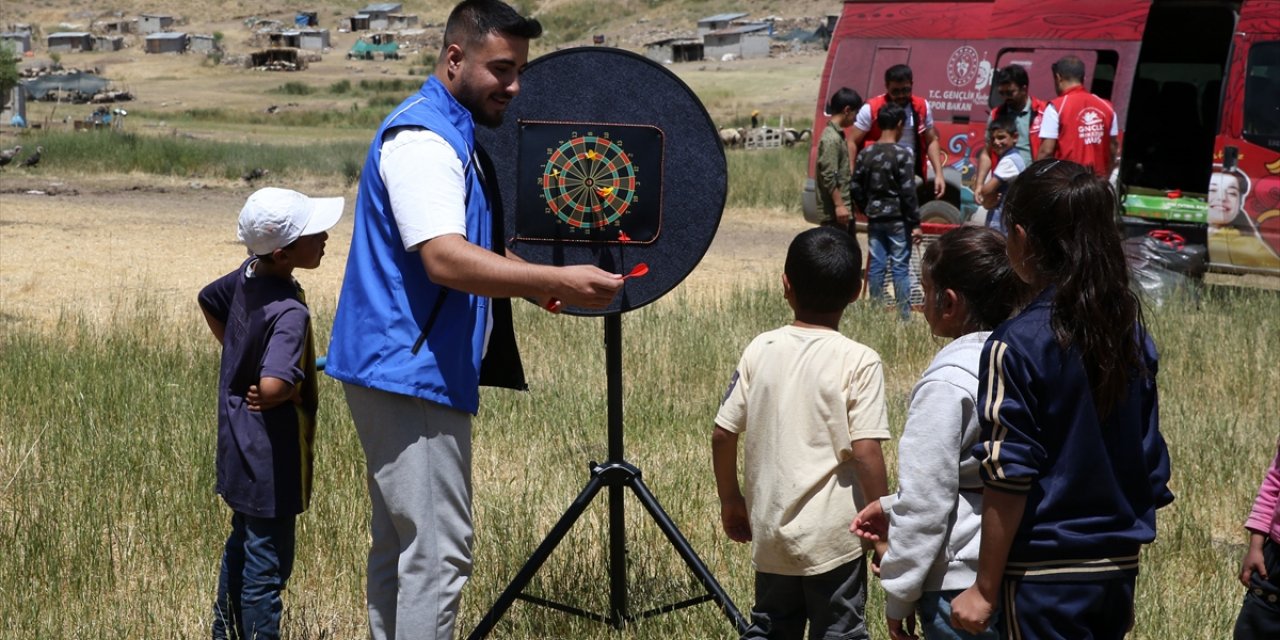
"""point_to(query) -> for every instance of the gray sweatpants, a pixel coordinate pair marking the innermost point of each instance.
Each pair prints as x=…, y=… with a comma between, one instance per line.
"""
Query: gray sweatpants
x=419, y=471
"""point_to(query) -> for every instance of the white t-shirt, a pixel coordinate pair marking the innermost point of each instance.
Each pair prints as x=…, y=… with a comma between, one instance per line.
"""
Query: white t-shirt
x=1049, y=124
x=1007, y=168
x=908, y=140
x=800, y=397
x=424, y=209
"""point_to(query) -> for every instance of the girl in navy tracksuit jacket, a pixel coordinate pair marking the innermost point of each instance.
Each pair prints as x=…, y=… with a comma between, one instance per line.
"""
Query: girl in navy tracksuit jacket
x=1071, y=453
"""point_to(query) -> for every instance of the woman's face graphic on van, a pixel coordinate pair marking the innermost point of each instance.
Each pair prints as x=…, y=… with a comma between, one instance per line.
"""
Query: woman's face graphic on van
x=1224, y=198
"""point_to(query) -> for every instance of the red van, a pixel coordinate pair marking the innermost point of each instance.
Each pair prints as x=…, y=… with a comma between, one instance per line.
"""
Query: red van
x=1195, y=85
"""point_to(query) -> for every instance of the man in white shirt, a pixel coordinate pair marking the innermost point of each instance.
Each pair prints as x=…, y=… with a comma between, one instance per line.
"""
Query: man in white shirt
x=423, y=316
x=918, y=134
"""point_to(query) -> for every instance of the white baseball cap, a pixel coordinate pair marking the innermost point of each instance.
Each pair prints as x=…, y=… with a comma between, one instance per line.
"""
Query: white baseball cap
x=273, y=218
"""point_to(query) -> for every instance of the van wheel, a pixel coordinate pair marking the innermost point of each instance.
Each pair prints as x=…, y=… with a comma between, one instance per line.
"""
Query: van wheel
x=940, y=211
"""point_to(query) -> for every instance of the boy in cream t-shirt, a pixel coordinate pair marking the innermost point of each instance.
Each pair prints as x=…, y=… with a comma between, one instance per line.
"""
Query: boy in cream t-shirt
x=810, y=403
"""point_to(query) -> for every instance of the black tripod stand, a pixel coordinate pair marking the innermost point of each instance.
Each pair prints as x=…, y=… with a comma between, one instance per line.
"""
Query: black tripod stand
x=616, y=474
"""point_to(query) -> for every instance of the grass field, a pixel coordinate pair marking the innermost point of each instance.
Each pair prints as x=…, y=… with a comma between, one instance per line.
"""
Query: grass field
x=110, y=528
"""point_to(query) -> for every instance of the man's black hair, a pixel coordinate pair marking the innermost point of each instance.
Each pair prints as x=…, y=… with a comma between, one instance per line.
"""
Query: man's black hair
x=824, y=267
x=1014, y=73
x=1069, y=68
x=891, y=115
x=844, y=97
x=898, y=73
x=472, y=20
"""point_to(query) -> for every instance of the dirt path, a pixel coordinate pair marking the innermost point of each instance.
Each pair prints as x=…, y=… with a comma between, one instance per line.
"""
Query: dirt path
x=98, y=247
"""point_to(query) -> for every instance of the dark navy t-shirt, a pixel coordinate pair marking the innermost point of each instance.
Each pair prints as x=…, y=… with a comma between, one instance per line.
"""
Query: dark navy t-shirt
x=264, y=457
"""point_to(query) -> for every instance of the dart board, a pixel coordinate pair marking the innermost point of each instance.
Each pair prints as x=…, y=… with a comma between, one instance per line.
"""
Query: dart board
x=584, y=182
x=607, y=169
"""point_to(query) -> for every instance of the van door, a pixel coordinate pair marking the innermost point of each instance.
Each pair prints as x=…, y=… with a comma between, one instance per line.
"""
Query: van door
x=1244, y=190
x=1173, y=117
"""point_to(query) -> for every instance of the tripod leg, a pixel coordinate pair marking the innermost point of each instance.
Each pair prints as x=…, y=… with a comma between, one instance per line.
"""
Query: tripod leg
x=617, y=557
x=686, y=552
x=536, y=560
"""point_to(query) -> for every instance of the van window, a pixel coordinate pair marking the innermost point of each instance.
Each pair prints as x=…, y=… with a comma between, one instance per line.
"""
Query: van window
x=1039, y=66
x=1262, y=95
x=1104, y=74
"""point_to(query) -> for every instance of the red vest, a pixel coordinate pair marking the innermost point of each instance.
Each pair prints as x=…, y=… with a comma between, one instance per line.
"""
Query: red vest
x=1033, y=130
x=919, y=108
x=1084, y=129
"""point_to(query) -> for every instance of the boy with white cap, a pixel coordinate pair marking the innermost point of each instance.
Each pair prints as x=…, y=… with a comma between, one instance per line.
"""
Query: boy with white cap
x=266, y=402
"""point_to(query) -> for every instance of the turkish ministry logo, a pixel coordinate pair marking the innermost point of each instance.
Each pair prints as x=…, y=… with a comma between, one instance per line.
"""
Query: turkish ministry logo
x=1092, y=124
x=963, y=66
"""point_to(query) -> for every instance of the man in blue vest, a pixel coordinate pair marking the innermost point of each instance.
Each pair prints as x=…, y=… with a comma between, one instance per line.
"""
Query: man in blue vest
x=424, y=319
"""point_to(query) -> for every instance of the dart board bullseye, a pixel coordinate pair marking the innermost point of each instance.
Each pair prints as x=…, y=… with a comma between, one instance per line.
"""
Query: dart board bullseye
x=586, y=182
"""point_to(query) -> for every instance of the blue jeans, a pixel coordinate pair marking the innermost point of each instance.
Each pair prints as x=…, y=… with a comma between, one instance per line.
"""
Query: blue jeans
x=256, y=564
x=934, y=608
x=995, y=217
x=890, y=244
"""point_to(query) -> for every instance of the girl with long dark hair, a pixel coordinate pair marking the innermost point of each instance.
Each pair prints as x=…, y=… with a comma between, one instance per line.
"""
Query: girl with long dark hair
x=1072, y=460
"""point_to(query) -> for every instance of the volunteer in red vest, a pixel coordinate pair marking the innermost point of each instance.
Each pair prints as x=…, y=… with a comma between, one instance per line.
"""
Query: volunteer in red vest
x=1077, y=125
x=1028, y=112
x=918, y=133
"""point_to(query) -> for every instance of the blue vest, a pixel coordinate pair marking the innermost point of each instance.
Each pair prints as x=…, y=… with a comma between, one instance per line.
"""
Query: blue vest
x=387, y=299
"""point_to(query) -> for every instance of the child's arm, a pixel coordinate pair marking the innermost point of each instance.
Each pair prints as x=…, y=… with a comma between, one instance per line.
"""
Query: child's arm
x=1011, y=460
x=1001, y=514
x=907, y=202
x=868, y=468
x=984, y=167
x=986, y=195
x=868, y=425
x=1259, y=522
x=1004, y=171
x=215, y=302
x=828, y=169
x=281, y=374
x=928, y=489
x=1253, y=561
x=858, y=186
x=733, y=507
x=270, y=393
x=215, y=325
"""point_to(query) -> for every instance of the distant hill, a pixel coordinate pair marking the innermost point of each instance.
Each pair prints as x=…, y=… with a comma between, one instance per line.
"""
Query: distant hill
x=626, y=23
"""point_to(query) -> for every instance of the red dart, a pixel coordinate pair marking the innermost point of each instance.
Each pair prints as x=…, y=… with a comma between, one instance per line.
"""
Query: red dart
x=637, y=271
x=554, y=305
